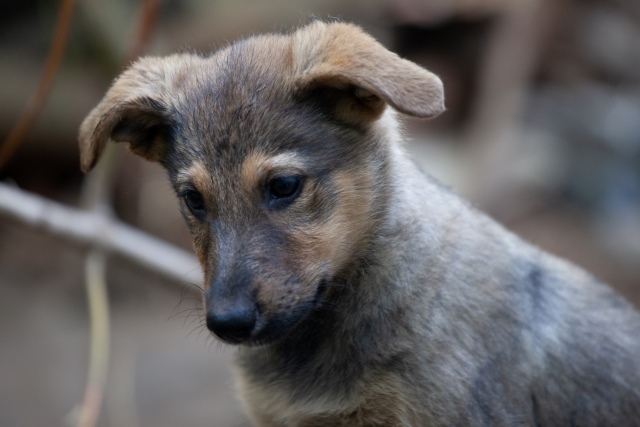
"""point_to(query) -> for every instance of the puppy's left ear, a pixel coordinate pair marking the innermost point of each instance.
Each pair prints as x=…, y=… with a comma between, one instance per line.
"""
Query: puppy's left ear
x=132, y=111
x=342, y=56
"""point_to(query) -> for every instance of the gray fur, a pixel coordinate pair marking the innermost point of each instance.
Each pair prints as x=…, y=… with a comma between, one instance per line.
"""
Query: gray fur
x=381, y=298
x=477, y=327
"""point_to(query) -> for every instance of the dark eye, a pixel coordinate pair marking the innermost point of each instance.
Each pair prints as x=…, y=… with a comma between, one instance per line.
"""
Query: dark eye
x=194, y=201
x=286, y=187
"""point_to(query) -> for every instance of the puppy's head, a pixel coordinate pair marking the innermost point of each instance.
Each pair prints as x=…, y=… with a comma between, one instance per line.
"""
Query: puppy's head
x=272, y=148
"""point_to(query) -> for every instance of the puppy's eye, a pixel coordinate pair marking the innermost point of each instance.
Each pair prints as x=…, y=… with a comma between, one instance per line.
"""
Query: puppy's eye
x=285, y=187
x=194, y=201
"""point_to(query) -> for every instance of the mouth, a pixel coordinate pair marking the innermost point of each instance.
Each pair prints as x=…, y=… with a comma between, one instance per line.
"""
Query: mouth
x=268, y=331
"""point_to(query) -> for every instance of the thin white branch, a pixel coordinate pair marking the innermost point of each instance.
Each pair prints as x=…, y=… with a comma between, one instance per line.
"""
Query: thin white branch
x=91, y=229
x=98, y=302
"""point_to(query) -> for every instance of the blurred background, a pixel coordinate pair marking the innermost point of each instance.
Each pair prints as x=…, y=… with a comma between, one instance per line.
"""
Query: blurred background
x=542, y=132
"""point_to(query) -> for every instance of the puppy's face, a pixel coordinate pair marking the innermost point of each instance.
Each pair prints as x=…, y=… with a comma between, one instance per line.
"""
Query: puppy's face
x=270, y=147
x=278, y=195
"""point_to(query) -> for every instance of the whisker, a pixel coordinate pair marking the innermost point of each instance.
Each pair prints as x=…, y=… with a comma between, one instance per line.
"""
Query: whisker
x=199, y=327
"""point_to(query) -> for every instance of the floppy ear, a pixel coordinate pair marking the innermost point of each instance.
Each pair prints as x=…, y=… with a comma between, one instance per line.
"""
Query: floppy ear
x=130, y=112
x=342, y=56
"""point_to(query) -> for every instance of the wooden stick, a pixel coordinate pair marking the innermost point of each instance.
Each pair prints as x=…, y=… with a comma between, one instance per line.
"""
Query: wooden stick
x=22, y=127
x=89, y=228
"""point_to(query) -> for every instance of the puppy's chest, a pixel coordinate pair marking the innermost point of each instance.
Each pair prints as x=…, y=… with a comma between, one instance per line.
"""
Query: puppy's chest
x=381, y=414
x=331, y=389
x=375, y=401
x=302, y=379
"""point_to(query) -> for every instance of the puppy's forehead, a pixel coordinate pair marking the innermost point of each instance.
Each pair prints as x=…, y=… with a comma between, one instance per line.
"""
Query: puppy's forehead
x=239, y=107
x=230, y=103
x=223, y=89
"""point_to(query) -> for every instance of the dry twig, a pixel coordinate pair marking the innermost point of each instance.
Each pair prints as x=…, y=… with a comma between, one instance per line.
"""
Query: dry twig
x=98, y=302
x=22, y=127
x=94, y=229
x=148, y=15
x=96, y=196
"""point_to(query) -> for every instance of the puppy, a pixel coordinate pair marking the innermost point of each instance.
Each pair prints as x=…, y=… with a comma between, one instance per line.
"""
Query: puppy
x=361, y=292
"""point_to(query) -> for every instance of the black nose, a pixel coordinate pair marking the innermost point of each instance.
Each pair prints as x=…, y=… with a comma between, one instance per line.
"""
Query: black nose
x=234, y=325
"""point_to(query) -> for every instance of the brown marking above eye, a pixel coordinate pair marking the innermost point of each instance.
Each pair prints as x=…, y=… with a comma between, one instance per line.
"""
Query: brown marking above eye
x=259, y=170
x=195, y=185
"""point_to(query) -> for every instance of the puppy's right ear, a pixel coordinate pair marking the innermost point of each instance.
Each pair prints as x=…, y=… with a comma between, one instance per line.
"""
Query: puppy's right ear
x=132, y=111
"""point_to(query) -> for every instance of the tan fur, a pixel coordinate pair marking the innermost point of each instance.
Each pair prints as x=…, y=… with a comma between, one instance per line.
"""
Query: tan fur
x=370, y=295
x=381, y=403
x=257, y=167
x=148, y=77
x=348, y=229
x=197, y=176
x=341, y=55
